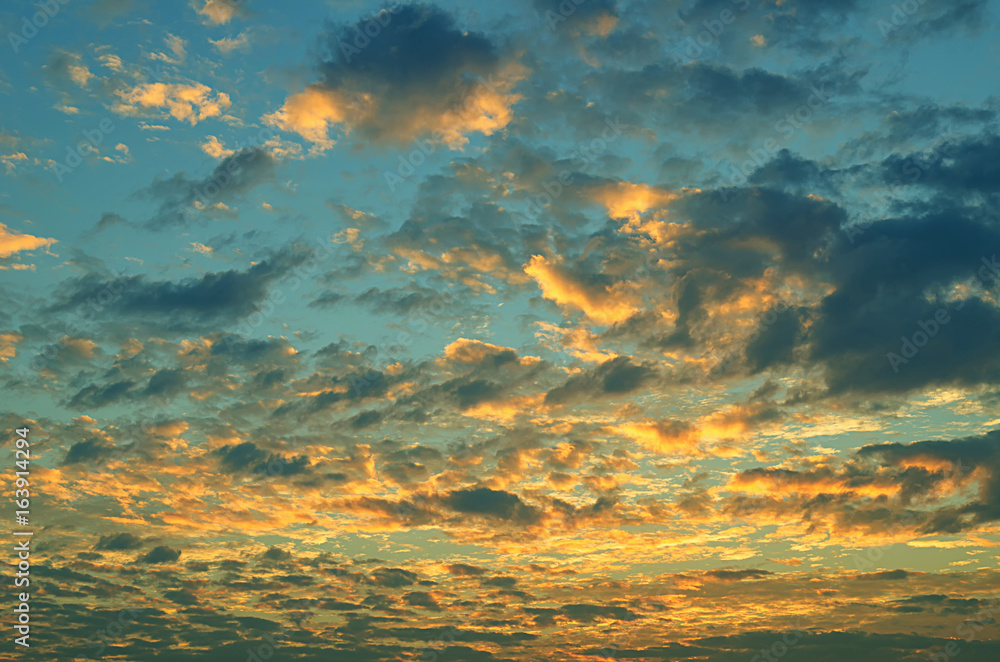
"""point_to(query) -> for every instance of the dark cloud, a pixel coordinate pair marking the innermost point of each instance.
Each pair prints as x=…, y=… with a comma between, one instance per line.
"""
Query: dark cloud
x=737, y=575
x=884, y=575
x=586, y=613
x=422, y=599
x=615, y=376
x=358, y=386
x=958, y=166
x=392, y=577
x=420, y=65
x=247, y=457
x=161, y=554
x=776, y=342
x=182, y=596
x=95, y=397
x=119, y=542
x=165, y=383
x=89, y=450
x=182, y=200
x=214, y=296
x=399, y=301
x=493, y=503
x=964, y=455
x=366, y=419
x=277, y=554
x=464, y=570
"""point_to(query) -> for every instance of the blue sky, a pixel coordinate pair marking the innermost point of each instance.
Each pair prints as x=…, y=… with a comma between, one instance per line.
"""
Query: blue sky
x=535, y=320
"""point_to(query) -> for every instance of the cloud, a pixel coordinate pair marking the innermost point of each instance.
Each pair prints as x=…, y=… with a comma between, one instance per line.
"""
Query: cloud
x=12, y=241
x=600, y=299
x=95, y=397
x=65, y=68
x=226, y=45
x=247, y=457
x=615, y=376
x=181, y=199
x=416, y=78
x=90, y=449
x=8, y=345
x=588, y=613
x=492, y=503
x=218, y=296
x=595, y=18
x=191, y=103
x=219, y=12
x=117, y=542
x=737, y=575
x=160, y=554
x=979, y=454
x=392, y=577
x=465, y=570
x=884, y=575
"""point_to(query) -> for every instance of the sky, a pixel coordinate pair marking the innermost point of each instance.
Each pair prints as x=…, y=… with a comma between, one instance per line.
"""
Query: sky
x=464, y=331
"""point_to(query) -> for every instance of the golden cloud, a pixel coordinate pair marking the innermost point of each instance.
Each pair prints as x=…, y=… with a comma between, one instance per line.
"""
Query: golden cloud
x=604, y=305
x=12, y=241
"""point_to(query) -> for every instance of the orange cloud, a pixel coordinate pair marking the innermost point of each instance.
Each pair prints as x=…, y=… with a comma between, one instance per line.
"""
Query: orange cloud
x=187, y=103
x=812, y=483
x=311, y=113
x=580, y=342
x=318, y=109
x=507, y=410
x=626, y=199
x=8, y=345
x=465, y=350
x=12, y=241
x=605, y=305
x=662, y=437
x=219, y=12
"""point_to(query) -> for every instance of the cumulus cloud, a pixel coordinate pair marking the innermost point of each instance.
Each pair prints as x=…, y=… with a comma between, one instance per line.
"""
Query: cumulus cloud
x=186, y=102
x=421, y=76
x=12, y=241
x=219, y=12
